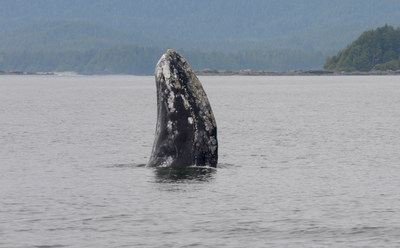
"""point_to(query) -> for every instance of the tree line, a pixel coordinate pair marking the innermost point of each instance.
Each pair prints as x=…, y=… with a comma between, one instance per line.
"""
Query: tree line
x=133, y=59
x=377, y=49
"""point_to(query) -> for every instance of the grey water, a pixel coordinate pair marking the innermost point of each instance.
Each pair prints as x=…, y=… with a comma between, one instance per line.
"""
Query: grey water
x=303, y=162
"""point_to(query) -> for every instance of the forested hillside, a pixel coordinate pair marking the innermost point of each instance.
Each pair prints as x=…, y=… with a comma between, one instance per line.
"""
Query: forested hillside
x=131, y=59
x=377, y=49
x=256, y=34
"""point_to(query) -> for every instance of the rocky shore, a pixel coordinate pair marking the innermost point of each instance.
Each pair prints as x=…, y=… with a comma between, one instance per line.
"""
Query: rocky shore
x=314, y=72
x=25, y=73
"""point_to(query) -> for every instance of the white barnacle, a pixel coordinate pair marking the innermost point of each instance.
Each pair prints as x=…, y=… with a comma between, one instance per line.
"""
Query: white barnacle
x=166, y=71
x=159, y=69
x=171, y=100
x=175, y=74
x=169, y=126
x=190, y=120
x=168, y=161
x=185, y=102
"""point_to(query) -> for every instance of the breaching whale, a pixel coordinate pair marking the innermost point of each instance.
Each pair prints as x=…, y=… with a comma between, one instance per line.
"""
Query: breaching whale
x=186, y=131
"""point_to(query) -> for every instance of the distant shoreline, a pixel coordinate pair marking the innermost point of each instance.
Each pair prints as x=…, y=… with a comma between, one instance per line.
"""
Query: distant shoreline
x=314, y=72
x=26, y=73
x=212, y=72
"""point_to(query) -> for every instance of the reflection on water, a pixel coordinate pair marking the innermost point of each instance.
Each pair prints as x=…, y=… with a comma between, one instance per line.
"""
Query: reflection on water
x=127, y=165
x=195, y=174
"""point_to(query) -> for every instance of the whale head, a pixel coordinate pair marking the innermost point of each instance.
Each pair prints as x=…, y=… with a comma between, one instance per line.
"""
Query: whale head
x=186, y=130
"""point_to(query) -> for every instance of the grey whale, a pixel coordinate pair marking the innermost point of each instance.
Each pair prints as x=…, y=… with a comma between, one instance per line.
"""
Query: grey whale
x=186, y=130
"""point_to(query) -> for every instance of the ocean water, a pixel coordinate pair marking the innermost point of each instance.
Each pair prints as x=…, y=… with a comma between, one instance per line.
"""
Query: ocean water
x=303, y=162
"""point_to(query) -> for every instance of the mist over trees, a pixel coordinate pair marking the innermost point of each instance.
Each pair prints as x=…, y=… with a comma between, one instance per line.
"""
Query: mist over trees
x=120, y=36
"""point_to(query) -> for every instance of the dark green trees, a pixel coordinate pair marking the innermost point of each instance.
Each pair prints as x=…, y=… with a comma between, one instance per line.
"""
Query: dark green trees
x=377, y=49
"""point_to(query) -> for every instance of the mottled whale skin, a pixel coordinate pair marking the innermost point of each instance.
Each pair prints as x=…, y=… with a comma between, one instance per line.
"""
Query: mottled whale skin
x=186, y=131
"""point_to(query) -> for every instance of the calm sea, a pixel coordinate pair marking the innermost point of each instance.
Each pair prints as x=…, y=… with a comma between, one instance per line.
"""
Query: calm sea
x=304, y=162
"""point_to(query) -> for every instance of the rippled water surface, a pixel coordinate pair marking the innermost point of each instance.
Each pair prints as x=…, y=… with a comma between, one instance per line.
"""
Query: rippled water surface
x=304, y=162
